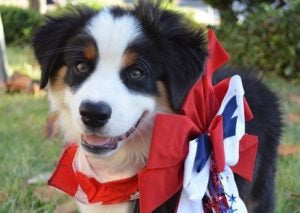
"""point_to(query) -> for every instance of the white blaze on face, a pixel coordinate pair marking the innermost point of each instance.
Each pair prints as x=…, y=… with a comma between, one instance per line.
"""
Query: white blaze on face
x=112, y=36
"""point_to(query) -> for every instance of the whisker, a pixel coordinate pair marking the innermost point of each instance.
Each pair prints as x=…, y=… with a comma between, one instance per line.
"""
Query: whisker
x=73, y=57
x=140, y=134
x=63, y=49
x=146, y=121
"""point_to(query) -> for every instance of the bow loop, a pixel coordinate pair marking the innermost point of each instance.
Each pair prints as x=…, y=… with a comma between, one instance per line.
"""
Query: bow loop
x=217, y=55
x=248, y=150
x=165, y=155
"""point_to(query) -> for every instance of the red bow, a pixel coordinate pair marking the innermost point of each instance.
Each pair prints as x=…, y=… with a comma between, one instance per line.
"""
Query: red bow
x=163, y=175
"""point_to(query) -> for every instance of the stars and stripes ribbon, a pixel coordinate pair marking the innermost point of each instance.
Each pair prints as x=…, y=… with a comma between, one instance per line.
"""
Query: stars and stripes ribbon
x=208, y=174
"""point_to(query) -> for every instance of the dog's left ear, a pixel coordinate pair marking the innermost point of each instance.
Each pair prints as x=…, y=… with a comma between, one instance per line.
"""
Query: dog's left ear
x=182, y=48
x=184, y=56
x=50, y=39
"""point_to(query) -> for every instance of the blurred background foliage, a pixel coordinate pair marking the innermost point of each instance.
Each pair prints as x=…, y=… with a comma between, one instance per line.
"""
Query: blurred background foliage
x=231, y=9
x=267, y=39
x=259, y=34
x=19, y=24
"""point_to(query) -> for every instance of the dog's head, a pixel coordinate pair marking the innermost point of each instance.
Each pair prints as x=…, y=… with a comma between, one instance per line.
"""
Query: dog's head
x=111, y=71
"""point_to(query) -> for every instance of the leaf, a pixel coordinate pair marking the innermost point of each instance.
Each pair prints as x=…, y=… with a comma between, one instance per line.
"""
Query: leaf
x=288, y=149
x=47, y=193
x=293, y=117
x=40, y=178
x=19, y=82
x=288, y=71
x=66, y=207
x=3, y=196
x=294, y=98
x=296, y=195
x=2, y=85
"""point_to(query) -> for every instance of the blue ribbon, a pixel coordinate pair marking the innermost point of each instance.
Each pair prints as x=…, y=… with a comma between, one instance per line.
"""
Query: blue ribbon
x=204, y=145
x=203, y=151
x=229, y=123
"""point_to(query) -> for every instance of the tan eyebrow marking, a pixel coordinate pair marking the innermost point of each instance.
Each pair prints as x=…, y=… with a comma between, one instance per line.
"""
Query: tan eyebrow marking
x=90, y=52
x=129, y=58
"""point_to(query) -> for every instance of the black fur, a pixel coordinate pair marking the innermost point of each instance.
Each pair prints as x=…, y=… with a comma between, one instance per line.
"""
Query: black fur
x=74, y=55
x=176, y=55
x=177, y=49
x=49, y=40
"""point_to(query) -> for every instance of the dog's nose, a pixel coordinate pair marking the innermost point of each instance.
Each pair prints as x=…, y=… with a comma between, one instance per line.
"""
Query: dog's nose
x=95, y=115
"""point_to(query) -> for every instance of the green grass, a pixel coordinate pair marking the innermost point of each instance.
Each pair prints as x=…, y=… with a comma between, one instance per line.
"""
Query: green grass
x=287, y=182
x=24, y=153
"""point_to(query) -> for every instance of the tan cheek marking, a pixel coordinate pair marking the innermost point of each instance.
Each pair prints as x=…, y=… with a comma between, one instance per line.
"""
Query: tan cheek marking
x=90, y=52
x=51, y=127
x=164, y=105
x=57, y=81
x=129, y=58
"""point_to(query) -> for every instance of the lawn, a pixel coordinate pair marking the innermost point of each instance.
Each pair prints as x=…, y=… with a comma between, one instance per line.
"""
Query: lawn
x=24, y=153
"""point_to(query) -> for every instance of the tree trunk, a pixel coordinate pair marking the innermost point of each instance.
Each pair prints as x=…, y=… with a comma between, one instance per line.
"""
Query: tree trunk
x=3, y=60
x=39, y=5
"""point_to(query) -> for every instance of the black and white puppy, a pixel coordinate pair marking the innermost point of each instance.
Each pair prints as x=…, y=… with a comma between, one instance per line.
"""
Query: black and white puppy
x=111, y=71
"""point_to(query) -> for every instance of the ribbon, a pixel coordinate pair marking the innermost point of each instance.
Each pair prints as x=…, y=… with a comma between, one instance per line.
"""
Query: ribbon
x=225, y=133
x=170, y=148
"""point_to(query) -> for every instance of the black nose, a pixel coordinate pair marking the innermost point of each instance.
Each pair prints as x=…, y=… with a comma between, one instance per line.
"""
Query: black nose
x=94, y=114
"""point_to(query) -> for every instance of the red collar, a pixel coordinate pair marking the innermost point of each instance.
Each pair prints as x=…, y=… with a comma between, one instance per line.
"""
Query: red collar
x=89, y=190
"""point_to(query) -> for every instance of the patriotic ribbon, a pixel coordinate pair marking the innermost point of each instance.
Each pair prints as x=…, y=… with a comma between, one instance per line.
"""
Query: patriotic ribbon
x=202, y=117
x=198, y=180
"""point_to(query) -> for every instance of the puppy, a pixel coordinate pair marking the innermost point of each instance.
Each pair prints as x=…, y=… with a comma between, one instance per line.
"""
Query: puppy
x=110, y=72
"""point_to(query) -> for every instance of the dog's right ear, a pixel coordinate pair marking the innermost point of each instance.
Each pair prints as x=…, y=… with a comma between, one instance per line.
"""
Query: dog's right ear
x=50, y=39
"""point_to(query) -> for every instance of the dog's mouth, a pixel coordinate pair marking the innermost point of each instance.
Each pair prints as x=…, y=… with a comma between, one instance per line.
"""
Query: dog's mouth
x=103, y=144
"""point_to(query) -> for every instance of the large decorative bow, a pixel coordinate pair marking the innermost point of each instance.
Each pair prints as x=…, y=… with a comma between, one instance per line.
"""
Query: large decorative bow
x=201, y=117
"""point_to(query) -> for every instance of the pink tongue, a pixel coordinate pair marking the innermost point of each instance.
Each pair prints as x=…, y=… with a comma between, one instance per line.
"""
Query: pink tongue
x=96, y=140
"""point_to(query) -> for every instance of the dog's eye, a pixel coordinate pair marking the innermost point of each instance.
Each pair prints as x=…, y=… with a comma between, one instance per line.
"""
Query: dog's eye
x=82, y=67
x=136, y=74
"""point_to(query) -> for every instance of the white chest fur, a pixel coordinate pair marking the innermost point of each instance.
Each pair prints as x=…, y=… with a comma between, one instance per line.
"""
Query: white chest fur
x=97, y=208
